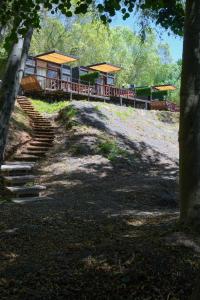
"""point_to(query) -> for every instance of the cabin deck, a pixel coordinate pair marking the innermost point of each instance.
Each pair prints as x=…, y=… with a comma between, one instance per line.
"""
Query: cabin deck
x=50, y=86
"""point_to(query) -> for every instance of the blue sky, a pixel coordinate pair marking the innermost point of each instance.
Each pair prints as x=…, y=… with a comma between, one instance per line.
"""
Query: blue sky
x=175, y=43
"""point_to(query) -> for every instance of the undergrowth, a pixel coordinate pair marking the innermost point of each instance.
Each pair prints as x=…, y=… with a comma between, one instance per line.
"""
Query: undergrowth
x=68, y=116
x=110, y=149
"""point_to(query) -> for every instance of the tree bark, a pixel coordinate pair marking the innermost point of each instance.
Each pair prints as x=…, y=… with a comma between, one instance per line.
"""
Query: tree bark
x=10, y=85
x=189, y=134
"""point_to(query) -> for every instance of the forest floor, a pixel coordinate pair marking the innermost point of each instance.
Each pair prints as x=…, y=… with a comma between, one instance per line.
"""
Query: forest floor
x=110, y=230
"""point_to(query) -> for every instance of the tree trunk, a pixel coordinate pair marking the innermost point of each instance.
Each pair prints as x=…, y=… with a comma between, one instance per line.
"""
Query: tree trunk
x=10, y=85
x=189, y=135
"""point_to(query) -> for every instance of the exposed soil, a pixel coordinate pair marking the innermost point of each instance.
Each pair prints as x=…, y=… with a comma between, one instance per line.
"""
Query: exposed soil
x=19, y=131
x=106, y=233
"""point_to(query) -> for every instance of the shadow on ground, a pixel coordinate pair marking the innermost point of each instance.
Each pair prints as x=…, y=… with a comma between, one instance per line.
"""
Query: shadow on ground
x=103, y=234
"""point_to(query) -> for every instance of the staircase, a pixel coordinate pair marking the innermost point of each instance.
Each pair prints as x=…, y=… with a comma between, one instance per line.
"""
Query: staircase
x=18, y=175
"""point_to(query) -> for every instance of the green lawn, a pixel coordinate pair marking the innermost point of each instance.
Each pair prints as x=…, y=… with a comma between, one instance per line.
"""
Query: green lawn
x=49, y=108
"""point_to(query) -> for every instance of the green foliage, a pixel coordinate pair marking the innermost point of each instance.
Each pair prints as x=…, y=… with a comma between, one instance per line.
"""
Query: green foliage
x=147, y=63
x=110, y=149
x=21, y=15
x=68, y=116
x=90, y=77
x=50, y=108
x=146, y=91
x=125, y=114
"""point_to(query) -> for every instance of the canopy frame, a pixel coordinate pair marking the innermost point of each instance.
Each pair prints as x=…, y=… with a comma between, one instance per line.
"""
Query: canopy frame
x=56, y=57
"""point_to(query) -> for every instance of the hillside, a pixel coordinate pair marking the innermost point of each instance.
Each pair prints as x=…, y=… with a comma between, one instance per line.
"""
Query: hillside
x=19, y=131
x=110, y=226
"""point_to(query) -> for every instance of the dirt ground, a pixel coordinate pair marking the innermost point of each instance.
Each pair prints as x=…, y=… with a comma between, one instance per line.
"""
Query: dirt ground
x=110, y=229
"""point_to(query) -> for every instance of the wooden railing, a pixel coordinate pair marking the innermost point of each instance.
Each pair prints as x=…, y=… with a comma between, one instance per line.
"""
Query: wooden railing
x=164, y=105
x=101, y=90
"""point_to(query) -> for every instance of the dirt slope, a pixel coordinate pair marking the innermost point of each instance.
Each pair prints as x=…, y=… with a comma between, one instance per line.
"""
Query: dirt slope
x=19, y=131
x=112, y=177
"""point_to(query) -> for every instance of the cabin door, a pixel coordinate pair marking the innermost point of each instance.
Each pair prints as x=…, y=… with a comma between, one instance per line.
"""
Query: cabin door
x=41, y=76
x=53, y=75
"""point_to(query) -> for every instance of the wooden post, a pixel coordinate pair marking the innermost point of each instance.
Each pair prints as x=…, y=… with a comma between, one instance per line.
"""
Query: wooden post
x=150, y=93
x=71, y=96
x=89, y=91
x=146, y=105
x=121, y=103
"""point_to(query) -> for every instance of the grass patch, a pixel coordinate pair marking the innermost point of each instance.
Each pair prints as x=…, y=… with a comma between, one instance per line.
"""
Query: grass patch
x=111, y=150
x=68, y=116
x=125, y=114
x=50, y=108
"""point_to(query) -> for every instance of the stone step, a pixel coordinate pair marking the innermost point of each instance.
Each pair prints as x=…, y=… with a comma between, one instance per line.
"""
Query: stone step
x=27, y=108
x=27, y=158
x=46, y=126
x=44, y=123
x=15, y=167
x=43, y=127
x=36, y=153
x=42, y=144
x=25, y=200
x=37, y=148
x=22, y=101
x=26, y=105
x=34, y=114
x=30, y=110
x=18, y=163
x=19, y=179
x=41, y=122
x=43, y=133
x=40, y=118
x=26, y=190
x=42, y=137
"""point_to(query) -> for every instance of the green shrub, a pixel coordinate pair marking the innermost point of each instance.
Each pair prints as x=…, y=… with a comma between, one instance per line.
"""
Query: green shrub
x=110, y=149
x=90, y=77
x=50, y=108
x=68, y=116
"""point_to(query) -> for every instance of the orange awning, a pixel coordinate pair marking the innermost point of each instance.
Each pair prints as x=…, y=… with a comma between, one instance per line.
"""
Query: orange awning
x=105, y=68
x=56, y=57
x=166, y=87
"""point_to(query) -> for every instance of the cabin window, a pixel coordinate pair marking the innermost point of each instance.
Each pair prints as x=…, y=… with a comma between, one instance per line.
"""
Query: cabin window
x=41, y=72
x=29, y=70
x=83, y=72
x=52, y=74
x=30, y=62
x=99, y=80
x=110, y=80
x=66, y=70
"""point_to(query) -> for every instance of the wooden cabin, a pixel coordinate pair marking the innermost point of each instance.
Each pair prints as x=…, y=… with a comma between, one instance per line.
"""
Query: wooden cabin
x=106, y=73
x=163, y=104
x=49, y=75
x=45, y=68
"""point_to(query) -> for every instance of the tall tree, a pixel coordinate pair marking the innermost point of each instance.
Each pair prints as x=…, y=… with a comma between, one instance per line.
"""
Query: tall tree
x=190, y=118
x=10, y=84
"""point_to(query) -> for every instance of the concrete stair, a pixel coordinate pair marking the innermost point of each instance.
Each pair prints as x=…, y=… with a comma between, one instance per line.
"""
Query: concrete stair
x=29, y=199
x=19, y=175
x=19, y=180
x=26, y=158
x=39, y=153
x=20, y=191
x=38, y=148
